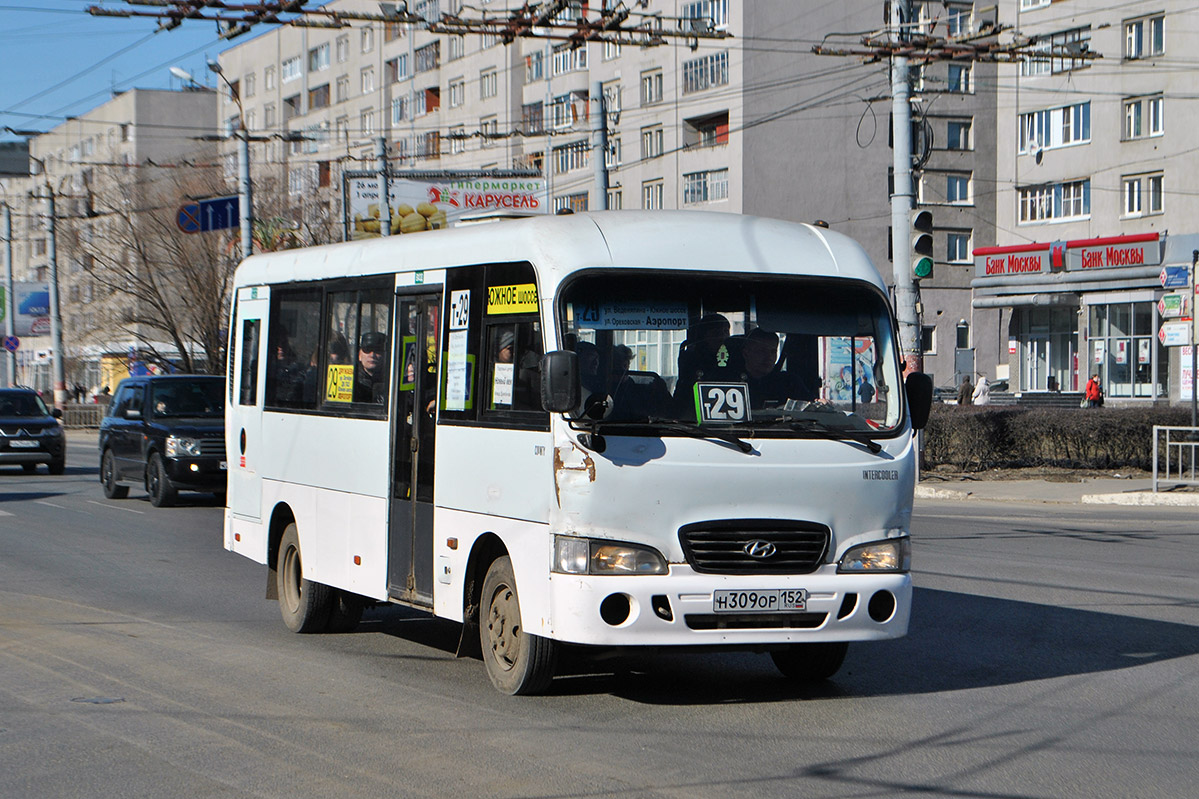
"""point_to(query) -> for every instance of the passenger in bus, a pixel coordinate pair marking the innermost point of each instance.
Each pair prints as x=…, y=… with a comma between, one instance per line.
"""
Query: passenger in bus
x=705, y=355
x=370, y=378
x=636, y=396
x=768, y=386
x=337, y=351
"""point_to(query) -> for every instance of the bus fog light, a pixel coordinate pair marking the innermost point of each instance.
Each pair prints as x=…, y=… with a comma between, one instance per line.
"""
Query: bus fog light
x=891, y=555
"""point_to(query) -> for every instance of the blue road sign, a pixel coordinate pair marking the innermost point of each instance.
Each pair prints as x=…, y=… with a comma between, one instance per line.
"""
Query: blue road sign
x=12, y=343
x=219, y=213
x=1175, y=277
x=215, y=213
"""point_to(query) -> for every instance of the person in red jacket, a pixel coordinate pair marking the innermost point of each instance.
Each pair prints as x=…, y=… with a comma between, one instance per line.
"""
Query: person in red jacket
x=1094, y=392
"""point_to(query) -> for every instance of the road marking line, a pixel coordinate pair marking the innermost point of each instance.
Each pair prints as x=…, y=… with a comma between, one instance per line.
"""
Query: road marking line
x=6, y=513
x=117, y=507
x=50, y=504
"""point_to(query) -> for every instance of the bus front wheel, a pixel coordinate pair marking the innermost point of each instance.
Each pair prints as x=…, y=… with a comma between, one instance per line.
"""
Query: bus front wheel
x=517, y=662
x=305, y=605
x=810, y=662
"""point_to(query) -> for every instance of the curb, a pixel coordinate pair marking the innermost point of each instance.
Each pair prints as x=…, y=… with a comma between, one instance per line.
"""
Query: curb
x=1142, y=498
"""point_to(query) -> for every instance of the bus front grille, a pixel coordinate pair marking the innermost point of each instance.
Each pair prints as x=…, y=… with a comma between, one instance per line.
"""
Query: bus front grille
x=755, y=546
x=754, y=621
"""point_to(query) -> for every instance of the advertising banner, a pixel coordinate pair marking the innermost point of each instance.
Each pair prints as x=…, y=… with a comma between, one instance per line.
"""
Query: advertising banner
x=419, y=205
x=31, y=309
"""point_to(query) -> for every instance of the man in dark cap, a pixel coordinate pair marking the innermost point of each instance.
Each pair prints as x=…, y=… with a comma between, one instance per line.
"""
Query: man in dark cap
x=370, y=378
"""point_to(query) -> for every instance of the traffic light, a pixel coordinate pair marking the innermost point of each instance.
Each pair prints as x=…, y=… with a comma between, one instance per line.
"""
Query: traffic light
x=922, y=243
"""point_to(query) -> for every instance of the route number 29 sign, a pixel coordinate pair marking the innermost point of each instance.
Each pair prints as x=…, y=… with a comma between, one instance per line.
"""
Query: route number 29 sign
x=722, y=403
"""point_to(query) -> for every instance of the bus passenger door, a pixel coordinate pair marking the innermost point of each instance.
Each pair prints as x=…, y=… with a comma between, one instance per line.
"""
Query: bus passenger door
x=243, y=432
x=410, y=537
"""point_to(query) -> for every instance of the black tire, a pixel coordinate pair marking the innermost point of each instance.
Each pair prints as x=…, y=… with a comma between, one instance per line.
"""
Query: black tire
x=29, y=468
x=810, y=662
x=345, y=612
x=517, y=662
x=162, y=493
x=305, y=605
x=58, y=467
x=108, y=477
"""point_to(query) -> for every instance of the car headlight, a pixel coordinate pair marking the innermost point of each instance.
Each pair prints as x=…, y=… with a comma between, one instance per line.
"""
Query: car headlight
x=573, y=555
x=180, y=445
x=53, y=432
x=891, y=555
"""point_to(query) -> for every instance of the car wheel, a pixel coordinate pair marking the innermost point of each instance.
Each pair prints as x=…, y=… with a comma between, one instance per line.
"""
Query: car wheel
x=810, y=662
x=517, y=662
x=162, y=493
x=29, y=468
x=305, y=605
x=108, y=477
x=58, y=467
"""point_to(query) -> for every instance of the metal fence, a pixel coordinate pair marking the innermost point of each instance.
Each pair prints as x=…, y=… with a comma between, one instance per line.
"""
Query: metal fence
x=82, y=416
x=1175, y=455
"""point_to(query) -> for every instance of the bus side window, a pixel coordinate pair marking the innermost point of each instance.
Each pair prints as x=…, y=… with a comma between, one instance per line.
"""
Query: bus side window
x=293, y=338
x=249, y=363
x=514, y=366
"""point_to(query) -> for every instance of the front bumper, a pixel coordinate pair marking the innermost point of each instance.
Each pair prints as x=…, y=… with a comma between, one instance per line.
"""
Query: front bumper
x=47, y=450
x=197, y=474
x=677, y=609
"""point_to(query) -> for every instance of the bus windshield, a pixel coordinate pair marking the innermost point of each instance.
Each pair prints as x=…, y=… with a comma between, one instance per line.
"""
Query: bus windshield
x=765, y=355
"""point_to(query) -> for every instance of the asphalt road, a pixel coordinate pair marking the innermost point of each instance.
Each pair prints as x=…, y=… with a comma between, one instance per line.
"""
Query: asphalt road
x=1054, y=652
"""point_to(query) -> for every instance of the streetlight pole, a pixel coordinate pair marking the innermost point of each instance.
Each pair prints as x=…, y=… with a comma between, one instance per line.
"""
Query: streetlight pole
x=60, y=382
x=245, y=196
x=10, y=363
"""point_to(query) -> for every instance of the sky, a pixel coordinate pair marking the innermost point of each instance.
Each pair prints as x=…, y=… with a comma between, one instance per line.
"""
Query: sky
x=56, y=60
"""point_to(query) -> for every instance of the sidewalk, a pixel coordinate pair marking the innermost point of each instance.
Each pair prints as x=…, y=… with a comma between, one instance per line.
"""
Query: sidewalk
x=1090, y=491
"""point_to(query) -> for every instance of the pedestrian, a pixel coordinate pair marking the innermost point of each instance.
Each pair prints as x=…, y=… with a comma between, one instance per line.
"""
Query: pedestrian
x=966, y=392
x=1094, y=395
x=982, y=392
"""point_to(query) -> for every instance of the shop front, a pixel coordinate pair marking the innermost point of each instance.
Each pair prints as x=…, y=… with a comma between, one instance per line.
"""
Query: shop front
x=1085, y=307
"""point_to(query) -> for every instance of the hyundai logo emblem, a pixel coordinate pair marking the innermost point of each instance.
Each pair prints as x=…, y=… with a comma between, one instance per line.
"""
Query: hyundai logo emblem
x=759, y=549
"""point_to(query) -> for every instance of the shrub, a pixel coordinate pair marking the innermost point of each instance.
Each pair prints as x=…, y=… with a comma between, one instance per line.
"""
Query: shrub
x=974, y=438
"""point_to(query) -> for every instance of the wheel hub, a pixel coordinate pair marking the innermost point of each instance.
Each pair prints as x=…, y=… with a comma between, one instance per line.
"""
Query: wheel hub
x=503, y=626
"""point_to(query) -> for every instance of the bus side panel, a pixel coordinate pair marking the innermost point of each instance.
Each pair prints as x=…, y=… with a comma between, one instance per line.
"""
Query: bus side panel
x=498, y=472
x=528, y=545
x=245, y=537
x=334, y=452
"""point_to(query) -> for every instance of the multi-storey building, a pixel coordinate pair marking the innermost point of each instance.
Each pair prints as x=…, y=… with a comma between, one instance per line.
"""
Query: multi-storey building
x=754, y=123
x=1095, y=150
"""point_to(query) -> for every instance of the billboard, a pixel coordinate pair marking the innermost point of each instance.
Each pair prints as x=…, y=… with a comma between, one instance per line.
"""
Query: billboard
x=431, y=204
x=31, y=309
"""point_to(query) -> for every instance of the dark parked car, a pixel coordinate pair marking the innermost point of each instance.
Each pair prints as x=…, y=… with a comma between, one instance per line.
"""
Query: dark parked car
x=167, y=433
x=29, y=431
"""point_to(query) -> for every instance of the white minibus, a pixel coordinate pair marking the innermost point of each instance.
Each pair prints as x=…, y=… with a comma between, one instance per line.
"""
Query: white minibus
x=624, y=429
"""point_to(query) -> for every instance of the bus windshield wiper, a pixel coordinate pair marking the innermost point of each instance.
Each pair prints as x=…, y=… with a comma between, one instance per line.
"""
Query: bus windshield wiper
x=824, y=430
x=673, y=426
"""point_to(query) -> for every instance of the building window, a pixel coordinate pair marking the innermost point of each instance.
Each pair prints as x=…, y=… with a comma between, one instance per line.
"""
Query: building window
x=367, y=39
x=611, y=52
x=1055, y=127
x=457, y=139
x=489, y=130
x=457, y=92
x=534, y=66
x=343, y=88
x=615, y=199
x=1055, y=201
x=367, y=80
x=957, y=247
x=532, y=119
x=401, y=108
x=249, y=82
x=706, y=72
x=1058, y=52
x=651, y=142
x=396, y=68
x=957, y=189
x=318, y=97
x=571, y=157
x=366, y=122
x=706, y=131
x=1145, y=37
x=567, y=58
x=488, y=83
x=611, y=91
x=456, y=47
x=573, y=202
x=268, y=78
x=714, y=12
x=291, y=69
x=957, y=134
x=318, y=58
x=1143, y=117
x=428, y=145
x=343, y=48
x=651, y=87
x=268, y=116
x=428, y=57
x=612, y=157
x=702, y=187
x=1143, y=195
x=651, y=195
x=959, y=79
x=569, y=108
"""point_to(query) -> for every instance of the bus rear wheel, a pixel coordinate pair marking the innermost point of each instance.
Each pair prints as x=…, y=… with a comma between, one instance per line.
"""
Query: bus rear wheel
x=518, y=662
x=810, y=662
x=305, y=605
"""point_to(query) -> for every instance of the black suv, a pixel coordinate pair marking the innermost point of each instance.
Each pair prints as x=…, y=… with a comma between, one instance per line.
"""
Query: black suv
x=29, y=431
x=166, y=432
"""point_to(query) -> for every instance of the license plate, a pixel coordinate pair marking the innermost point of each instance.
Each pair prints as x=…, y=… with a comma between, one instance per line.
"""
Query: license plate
x=22, y=444
x=768, y=600
x=224, y=465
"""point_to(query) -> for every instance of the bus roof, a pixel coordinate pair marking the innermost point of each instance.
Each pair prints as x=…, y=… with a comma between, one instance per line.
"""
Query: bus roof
x=561, y=245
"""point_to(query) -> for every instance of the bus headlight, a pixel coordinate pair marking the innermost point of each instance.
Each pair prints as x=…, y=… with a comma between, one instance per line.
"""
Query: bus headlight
x=574, y=555
x=180, y=445
x=891, y=555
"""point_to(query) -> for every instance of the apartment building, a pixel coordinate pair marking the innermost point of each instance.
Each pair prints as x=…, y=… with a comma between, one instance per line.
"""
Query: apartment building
x=755, y=123
x=1095, y=156
x=117, y=160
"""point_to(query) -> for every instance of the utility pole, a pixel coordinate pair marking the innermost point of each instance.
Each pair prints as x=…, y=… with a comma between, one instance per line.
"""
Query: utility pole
x=384, y=186
x=599, y=146
x=907, y=296
x=60, y=382
x=10, y=362
x=245, y=194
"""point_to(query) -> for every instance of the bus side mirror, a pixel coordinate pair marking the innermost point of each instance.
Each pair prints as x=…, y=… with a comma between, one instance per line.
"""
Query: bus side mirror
x=919, y=388
x=560, y=381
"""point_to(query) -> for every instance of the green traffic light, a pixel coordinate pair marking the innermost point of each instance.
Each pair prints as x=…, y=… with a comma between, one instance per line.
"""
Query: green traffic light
x=923, y=267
